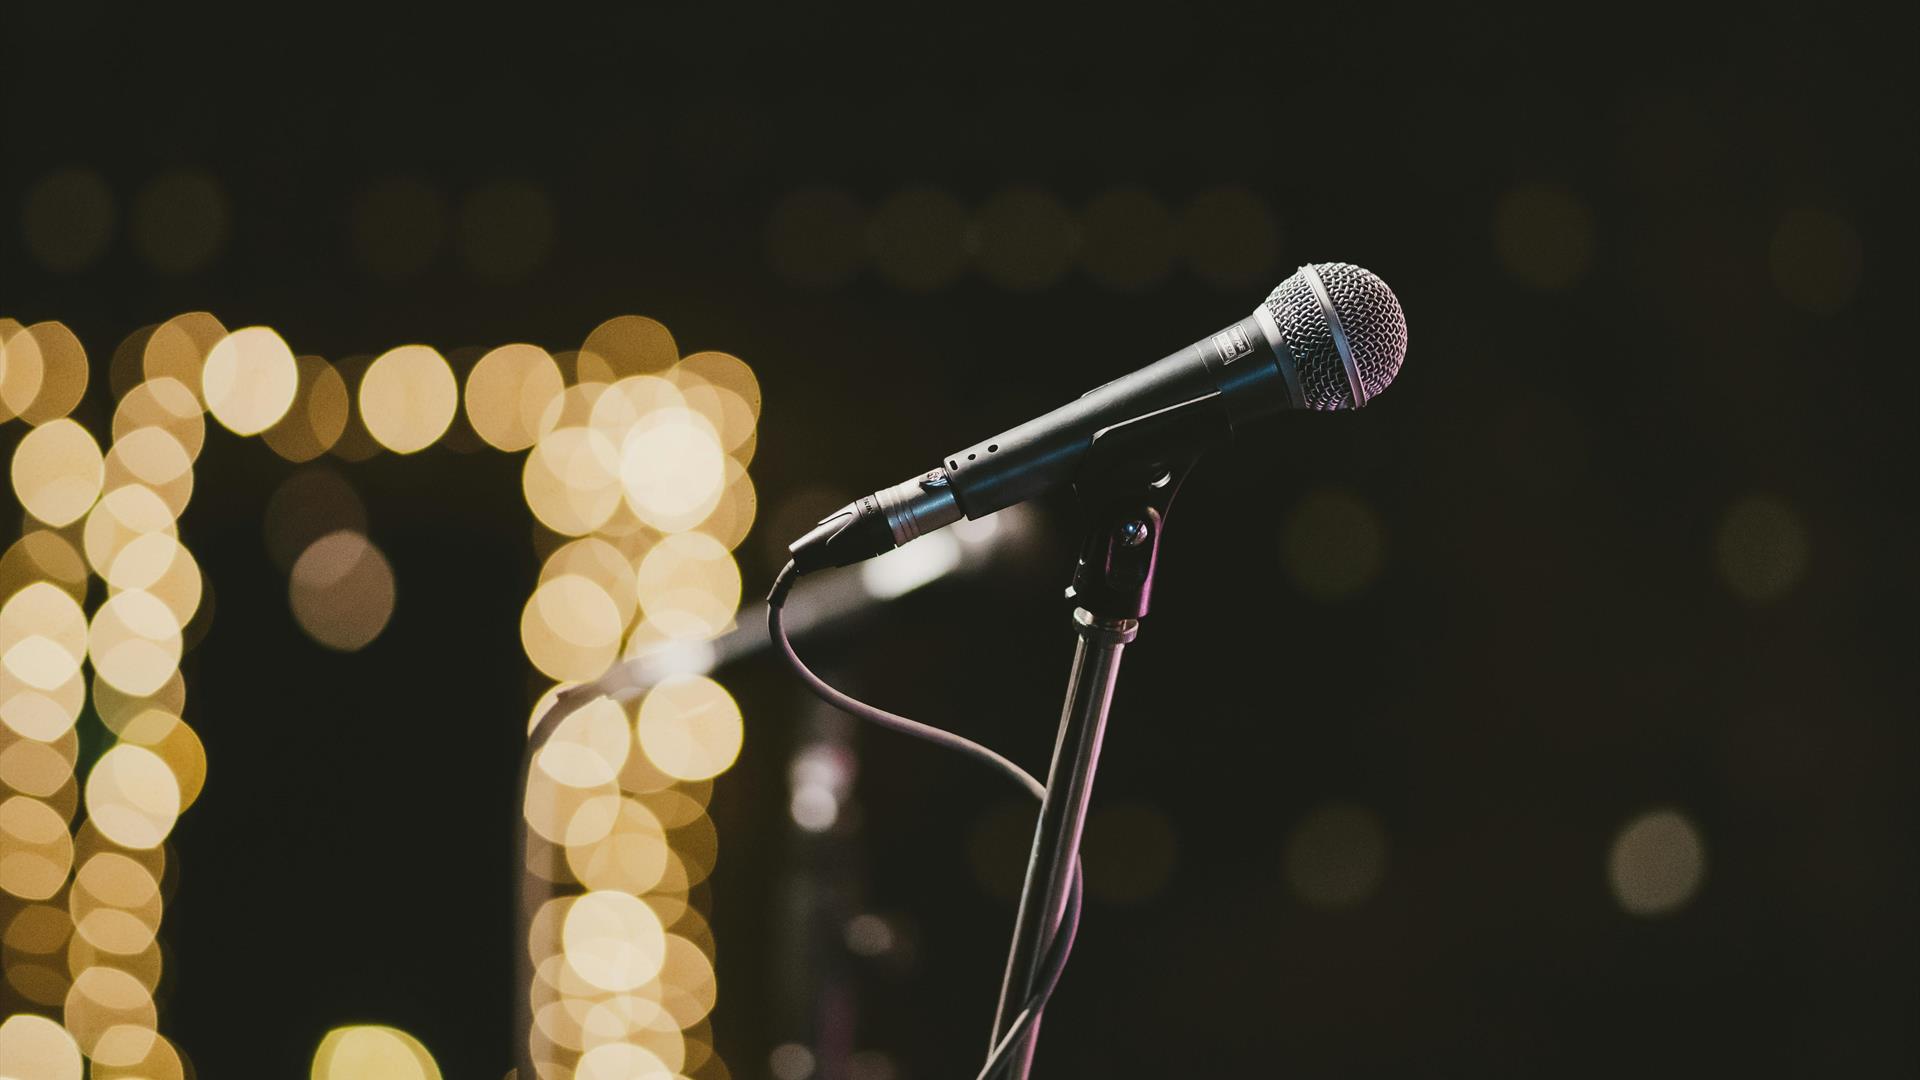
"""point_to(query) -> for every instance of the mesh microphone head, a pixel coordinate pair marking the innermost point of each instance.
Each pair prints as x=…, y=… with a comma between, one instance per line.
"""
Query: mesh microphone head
x=1345, y=330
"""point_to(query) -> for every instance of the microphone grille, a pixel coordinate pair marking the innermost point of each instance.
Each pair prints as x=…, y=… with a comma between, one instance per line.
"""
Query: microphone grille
x=1368, y=314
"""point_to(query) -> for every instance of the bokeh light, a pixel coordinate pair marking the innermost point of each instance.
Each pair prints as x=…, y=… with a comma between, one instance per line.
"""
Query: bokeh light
x=249, y=380
x=179, y=349
x=508, y=391
x=318, y=416
x=1333, y=544
x=36, y=1048
x=64, y=371
x=408, y=398
x=342, y=590
x=372, y=1052
x=133, y=798
x=613, y=940
x=506, y=230
x=1657, y=863
x=57, y=472
x=690, y=728
x=180, y=221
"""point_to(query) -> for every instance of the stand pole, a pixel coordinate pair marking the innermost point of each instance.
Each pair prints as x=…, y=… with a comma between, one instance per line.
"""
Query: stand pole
x=1063, y=816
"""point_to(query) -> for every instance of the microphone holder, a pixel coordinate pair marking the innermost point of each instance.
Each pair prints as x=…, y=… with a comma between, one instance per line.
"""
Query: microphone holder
x=1126, y=486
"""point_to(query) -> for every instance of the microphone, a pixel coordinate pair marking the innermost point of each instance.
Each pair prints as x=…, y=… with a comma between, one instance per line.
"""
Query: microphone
x=1329, y=338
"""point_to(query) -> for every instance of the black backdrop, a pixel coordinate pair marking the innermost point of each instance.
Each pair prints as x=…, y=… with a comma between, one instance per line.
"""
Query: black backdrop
x=1546, y=650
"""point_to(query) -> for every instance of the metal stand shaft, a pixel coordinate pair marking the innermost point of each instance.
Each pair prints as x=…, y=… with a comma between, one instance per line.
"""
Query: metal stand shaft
x=1063, y=816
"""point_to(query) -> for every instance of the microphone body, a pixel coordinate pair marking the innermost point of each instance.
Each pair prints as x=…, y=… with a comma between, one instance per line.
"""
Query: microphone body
x=1292, y=352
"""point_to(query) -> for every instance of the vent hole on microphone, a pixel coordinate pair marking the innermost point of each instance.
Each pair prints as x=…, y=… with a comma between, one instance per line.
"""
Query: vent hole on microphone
x=970, y=457
x=993, y=448
x=953, y=464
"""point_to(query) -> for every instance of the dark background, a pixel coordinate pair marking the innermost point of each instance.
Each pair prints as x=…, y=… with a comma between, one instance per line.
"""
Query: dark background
x=1633, y=503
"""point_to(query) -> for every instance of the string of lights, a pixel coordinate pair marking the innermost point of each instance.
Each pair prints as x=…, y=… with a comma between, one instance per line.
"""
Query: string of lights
x=636, y=475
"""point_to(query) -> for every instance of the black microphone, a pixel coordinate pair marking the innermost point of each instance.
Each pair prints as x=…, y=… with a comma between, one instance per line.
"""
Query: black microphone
x=1330, y=337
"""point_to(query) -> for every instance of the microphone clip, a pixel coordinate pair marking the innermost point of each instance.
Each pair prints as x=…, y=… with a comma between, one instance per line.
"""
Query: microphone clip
x=1126, y=486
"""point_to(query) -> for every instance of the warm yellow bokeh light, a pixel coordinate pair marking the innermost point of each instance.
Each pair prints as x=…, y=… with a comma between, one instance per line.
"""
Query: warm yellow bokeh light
x=125, y=515
x=370, y=1052
x=408, y=397
x=176, y=743
x=163, y=403
x=616, y=843
x=689, y=586
x=63, y=372
x=115, y=904
x=627, y=345
x=621, y=1061
x=133, y=798
x=508, y=392
x=317, y=417
x=572, y=480
x=571, y=628
x=152, y=458
x=36, y=1048
x=672, y=468
x=590, y=746
x=135, y=642
x=250, y=380
x=111, y=1015
x=179, y=348
x=36, y=851
x=43, y=636
x=690, y=728
x=57, y=472
x=21, y=369
x=613, y=940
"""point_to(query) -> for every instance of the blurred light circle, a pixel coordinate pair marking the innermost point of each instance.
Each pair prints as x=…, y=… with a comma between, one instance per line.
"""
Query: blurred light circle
x=161, y=1062
x=64, y=371
x=135, y=642
x=1657, y=863
x=21, y=369
x=111, y=1015
x=571, y=628
x=341, y=590
x=1230, y=238
x=917, y=239
x=174, y=740
x=813, y=238
x=179, y=349
x=791, y=1061
x=34, y=768
x=629, y=855
x=42, y=715
x=1762, y=549
x=126, y=514
x=634, y=1020
x=399, y=226
x=179, y=221
x=690, y=728
x=36, y=851
x=601, y=563
x=1333, y=544
x=43, y=636
x=730, y=375
x=308, y=505
x=629, y=345
x=672, y=469
x=249, y=380
x=613, y=940
x=1336, y=856
x=508, y=391
x=318, y=416
x=372, y=1052
x=154, y=459
x=42, y=555
x=36, y=1048
x=132, y=797
x=159, y=565
x=119, y=709
x=1024, y=239
x=68, y=218
x=163, y=403
x=688, y=988
x=689, y=586
x=621, y=1061
x=57, y=472
x=1815, y=256
x=115, y=904
x=1543, y=234
x=590, y=745
x=572, y=480
x=553, y=809
x=1129, y=240
x=733, y=517
x=408, y=398
x=506, y=230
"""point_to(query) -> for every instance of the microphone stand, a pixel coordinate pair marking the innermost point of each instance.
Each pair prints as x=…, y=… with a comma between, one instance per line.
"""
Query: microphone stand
x=1129, y=479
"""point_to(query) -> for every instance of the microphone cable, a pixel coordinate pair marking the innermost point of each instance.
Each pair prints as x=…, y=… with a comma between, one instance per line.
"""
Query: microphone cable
x=1062, y=943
